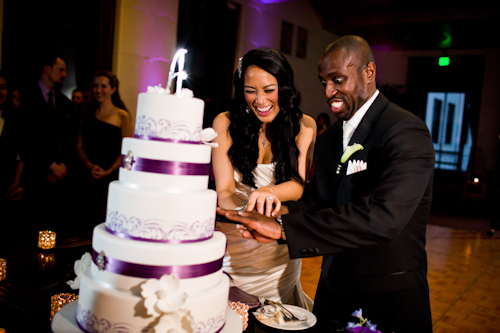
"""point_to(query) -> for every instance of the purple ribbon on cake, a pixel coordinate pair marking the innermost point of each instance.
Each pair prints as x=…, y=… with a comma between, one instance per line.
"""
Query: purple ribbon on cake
x=155, y=272
x=153, y=138
x=167, y=167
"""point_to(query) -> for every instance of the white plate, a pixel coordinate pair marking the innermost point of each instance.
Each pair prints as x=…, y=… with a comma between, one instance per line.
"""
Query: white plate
x=301, y=313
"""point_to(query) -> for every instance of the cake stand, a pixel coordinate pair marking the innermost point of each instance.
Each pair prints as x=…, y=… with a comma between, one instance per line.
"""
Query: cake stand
x=64, y=320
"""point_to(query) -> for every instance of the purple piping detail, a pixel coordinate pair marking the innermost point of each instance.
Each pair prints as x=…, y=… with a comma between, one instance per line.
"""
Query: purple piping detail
x=168, y=241
x=145, y=137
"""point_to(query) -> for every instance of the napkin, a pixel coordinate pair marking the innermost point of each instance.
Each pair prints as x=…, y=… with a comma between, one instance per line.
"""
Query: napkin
x=354, y=166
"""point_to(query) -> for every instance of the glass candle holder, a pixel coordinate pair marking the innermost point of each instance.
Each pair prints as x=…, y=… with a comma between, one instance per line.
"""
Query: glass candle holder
x=46, y=260
x=3, y=269
x=59, y=300
x=46, y=239
x=242, y=310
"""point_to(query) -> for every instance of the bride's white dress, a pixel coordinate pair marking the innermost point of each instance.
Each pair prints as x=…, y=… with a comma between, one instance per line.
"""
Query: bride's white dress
x=262, y=269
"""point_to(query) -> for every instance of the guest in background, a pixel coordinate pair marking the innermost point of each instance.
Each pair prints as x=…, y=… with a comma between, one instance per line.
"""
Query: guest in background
x=322, y=122
x=10, y=165
x=15, y=97
x=44, y=147
x=77, y=97
x=104, y=124
x=264, y=155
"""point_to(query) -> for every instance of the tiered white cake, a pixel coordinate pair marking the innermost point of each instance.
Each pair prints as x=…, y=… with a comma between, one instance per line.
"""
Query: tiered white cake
x=157, y=261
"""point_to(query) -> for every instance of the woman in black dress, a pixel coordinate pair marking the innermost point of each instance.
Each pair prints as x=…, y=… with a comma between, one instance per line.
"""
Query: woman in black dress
x=104, y=124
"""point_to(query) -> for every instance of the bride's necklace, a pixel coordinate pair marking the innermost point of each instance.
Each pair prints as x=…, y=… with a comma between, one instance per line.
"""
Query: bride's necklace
x=264, y=139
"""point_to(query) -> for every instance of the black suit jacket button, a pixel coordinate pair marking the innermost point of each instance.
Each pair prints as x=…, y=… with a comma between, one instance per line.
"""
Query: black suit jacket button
x=304, y=251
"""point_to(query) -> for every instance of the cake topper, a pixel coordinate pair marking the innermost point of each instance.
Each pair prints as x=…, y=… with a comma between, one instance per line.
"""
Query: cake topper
x=181, y=74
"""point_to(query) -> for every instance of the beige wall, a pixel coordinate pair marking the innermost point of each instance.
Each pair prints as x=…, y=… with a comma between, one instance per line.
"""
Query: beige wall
x=392, y=68
x=260, y=26
x=145, y=43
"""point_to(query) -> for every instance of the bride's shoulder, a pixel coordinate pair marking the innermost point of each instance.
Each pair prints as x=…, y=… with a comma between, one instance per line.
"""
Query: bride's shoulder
x=221, y=121
x=307, y=124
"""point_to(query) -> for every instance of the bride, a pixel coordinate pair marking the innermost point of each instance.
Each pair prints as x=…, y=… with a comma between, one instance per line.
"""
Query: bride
x=264, y=154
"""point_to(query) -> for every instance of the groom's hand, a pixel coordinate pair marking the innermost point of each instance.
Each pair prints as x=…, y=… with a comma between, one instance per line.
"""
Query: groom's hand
x=260, y=227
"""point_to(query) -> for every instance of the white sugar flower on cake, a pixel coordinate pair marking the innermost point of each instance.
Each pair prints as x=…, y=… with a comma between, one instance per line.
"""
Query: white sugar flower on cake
x=207, y=135
x=163, y=298
x=163, y=295
x=80, y=266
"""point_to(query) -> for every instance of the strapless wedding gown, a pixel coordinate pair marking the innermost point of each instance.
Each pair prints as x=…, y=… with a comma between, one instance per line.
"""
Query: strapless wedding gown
x=262, y=269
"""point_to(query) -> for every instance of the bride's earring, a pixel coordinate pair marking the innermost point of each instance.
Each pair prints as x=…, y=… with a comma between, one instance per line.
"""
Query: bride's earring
x=247, y=109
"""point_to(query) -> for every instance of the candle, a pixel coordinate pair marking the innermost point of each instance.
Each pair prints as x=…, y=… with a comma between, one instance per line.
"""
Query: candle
x=46, y=239
x=3, y=269
x=59, y=300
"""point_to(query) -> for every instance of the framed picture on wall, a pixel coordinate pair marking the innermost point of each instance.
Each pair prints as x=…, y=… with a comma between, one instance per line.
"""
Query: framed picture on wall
x=301, y=51
x=286, y=37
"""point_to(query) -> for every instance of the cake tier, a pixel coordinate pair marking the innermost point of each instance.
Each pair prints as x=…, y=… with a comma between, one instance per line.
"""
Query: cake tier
x=183, y=258
x=175, y=216
x=100, y=307
x=179, y=155
x=166, y=116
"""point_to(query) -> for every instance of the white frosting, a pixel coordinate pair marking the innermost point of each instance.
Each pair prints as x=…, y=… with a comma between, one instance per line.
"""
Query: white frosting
x=98, y=305
x=166, y=116
x=161, y=215
x=165, y=151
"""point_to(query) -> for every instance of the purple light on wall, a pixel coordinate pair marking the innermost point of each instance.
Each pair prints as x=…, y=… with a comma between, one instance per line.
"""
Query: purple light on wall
x=266, y=2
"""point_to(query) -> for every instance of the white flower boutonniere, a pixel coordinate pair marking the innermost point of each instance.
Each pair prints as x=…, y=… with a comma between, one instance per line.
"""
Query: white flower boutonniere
x=80, y=266
x=349, y=151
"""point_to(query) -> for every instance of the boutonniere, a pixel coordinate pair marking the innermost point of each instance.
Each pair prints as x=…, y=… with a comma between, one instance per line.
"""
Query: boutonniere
x=347, y=153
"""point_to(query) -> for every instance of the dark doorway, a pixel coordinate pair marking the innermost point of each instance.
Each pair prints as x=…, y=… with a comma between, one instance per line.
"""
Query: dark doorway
x=448, y=98
x=434, y=89
x=208, y=30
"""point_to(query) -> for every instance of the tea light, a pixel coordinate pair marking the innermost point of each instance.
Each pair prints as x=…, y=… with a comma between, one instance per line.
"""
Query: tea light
x=3, y=269
x=242, y=310
x=59, y=300
x=46, y=239
x=46, y=260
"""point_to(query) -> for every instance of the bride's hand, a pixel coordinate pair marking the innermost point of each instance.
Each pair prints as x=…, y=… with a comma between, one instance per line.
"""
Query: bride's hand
x=264, y=201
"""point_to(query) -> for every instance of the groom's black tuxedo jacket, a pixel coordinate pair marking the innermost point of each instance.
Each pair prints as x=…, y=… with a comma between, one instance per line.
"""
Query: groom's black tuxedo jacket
x=373, y=221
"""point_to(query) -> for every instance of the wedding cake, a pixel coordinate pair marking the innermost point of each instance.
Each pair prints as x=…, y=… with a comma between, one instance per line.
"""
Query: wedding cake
x=156, y=264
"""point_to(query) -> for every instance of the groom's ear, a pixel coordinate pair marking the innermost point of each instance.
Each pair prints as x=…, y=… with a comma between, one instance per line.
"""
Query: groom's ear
x=369, y=72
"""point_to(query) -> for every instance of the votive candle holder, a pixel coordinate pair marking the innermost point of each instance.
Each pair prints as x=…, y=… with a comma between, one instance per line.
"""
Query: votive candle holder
x=46, y=239
x=3, y=269
x=57, y=301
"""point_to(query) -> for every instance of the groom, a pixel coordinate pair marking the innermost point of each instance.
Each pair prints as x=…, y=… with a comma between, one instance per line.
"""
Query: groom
x=368, y=215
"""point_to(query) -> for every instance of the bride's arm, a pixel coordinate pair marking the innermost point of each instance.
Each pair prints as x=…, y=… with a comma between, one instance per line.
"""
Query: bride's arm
x=290, y=190
x=222, y=166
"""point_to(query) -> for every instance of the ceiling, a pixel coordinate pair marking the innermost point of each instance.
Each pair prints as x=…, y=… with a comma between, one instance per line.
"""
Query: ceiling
x=414, y=25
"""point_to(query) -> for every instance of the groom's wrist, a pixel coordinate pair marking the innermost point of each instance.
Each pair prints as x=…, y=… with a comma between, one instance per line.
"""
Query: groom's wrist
x=282, y=240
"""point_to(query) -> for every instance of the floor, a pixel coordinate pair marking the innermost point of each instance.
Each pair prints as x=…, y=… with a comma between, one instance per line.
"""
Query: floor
x=464, y=280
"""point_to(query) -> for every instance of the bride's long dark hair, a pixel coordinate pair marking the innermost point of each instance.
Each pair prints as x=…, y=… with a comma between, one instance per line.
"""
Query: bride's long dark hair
x=244, y=127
